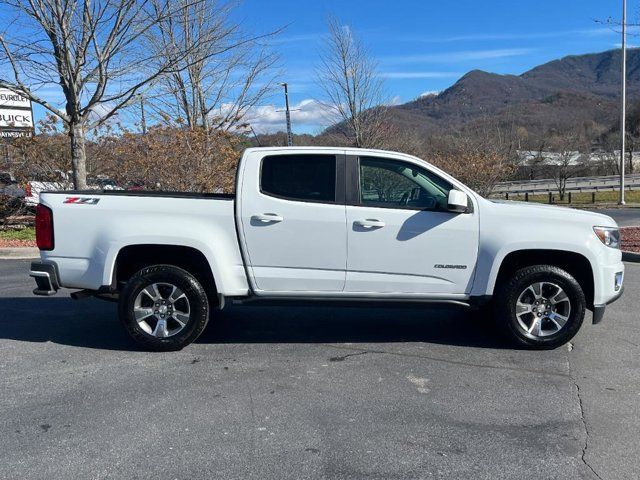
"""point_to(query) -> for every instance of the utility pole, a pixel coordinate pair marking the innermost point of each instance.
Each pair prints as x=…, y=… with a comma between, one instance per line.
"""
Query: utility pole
x=143, y=119
x=286, y=102
x=623, y=99
x=254, y=135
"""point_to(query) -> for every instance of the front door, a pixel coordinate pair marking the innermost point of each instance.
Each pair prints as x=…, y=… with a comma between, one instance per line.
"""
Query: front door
x=401, y=238
x=293, y=221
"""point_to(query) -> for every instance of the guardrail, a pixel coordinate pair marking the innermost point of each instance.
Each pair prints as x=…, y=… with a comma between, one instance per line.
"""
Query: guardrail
x=578, y=184
x=592, y=179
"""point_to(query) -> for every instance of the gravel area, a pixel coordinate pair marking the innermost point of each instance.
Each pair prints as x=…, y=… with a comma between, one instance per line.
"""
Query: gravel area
x=6, y=243
x=631, y=239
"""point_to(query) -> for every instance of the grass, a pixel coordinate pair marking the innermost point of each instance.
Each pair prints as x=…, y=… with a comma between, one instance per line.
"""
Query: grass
x=580, y=198
x=28, y=233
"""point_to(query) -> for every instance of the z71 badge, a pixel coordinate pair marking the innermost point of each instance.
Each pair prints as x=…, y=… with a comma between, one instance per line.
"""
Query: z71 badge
x=82, y=200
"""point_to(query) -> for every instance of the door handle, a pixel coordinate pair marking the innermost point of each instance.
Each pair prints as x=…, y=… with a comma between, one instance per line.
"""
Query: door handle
x=369, y=223
x=267, y=218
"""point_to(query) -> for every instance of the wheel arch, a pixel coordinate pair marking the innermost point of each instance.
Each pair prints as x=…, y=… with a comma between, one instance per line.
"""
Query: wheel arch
x=131, y=258
x=577, y=264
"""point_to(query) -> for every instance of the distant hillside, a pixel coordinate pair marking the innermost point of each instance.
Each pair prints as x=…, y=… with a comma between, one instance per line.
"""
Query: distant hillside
x=556, y=95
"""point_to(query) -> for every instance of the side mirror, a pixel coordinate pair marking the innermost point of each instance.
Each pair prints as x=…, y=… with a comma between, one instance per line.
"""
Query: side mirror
x=457, y=201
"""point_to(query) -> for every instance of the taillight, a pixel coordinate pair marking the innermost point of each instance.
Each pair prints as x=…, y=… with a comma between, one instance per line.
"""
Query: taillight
x=44, y=227
x=27, y=189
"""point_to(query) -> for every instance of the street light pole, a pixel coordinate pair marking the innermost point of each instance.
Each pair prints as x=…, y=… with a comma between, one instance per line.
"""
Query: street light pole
x=286, y=101
x=623, y=99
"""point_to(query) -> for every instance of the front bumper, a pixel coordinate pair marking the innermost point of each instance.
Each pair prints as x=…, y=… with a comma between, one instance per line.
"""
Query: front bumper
x=46, y=277
x=608, y=283
x=598, y=310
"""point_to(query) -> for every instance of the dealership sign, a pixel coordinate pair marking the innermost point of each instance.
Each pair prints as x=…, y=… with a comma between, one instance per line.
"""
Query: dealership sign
x=16, y=115
x=14, y=118
x=12, y=99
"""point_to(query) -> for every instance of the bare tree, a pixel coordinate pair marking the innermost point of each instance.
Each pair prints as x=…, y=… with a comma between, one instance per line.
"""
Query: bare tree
x=565, y=160
x=348, y=77
x=225, y=72
x=95, y=51
x=481, y=165
x=192, y=159
x=533, y=161
x=632, y=134
x=632, y=143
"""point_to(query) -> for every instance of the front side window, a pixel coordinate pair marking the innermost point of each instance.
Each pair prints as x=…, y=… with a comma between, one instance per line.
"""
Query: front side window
x=300, y=177
x=395, y=184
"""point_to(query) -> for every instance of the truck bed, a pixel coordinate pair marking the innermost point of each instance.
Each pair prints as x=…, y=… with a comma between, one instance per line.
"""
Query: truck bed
x=92, y=226
x=146, y=193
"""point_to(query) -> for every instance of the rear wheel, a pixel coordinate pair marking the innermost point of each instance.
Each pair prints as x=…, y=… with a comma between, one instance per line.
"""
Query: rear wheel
x=540, y=306
x=163, y=308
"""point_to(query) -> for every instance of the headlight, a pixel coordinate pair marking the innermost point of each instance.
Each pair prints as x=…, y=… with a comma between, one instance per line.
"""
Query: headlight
x=608, y=235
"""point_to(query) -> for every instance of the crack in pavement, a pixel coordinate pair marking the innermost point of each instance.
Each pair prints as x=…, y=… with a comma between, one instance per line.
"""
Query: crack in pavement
x=585, y=447
x=360, y=351
x=344, y=357
x=570, y=347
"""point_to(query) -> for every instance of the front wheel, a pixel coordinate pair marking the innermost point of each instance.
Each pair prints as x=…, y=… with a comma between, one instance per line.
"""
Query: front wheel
x=163, y=308
x=540, y=306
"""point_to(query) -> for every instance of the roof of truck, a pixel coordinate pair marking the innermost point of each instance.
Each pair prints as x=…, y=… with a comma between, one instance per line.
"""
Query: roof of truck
x=349, y=150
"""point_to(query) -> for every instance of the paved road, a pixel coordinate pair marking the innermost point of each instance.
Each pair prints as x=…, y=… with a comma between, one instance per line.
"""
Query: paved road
x=625, y=217
x=312, y=393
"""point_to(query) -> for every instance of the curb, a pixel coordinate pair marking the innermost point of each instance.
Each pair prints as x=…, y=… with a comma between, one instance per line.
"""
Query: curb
x=19, y=253
x=631, y=257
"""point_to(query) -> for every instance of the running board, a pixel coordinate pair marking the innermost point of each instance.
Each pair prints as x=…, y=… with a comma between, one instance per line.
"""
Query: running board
x=346, y=302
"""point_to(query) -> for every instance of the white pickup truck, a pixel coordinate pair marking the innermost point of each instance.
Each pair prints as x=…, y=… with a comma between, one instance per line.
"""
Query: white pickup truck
x=323, y=225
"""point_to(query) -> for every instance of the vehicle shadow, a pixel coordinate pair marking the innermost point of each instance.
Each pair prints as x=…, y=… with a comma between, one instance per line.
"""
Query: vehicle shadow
x=93, y=323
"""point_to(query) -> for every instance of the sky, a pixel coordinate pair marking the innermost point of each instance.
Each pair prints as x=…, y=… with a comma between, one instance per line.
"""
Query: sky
x=421, y=46
x=424, y=46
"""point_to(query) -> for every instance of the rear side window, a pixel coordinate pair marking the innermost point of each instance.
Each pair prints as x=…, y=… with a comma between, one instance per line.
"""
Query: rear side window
x=309, y=178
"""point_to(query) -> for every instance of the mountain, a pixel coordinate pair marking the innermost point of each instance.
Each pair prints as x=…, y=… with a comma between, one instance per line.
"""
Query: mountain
x=554, y=96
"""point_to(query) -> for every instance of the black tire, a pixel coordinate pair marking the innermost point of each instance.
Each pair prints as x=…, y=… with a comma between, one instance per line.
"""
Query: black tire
x=509, y=292
x=165, y=275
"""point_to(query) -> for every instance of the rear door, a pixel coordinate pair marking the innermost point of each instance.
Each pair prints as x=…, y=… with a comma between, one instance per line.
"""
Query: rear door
x=293, y=222
x=401, y=238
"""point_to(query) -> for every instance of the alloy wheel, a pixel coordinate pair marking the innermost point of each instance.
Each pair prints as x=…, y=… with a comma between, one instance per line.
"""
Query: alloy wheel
x=542, y=309
x=162, y=310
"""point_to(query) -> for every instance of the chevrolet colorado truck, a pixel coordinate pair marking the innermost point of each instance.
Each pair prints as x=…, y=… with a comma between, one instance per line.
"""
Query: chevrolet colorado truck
x=328, y=225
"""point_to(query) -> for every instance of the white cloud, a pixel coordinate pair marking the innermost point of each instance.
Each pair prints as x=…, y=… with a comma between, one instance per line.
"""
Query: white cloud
x=428, y=93
x=408, y=75
x=592, y=32
x=459, y=56
x=308, y=115
x=99, y=111
x=304, y=37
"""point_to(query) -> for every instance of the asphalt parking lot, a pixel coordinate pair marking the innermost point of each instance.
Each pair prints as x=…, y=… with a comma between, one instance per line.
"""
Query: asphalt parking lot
x=624, y=217
x=316, y=393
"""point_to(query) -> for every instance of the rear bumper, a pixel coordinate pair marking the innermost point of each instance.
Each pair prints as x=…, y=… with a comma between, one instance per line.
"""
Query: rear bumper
x=46, y=276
